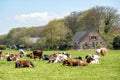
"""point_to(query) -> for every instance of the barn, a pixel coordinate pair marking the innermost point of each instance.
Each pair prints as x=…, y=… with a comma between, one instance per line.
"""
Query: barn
x=87, y=39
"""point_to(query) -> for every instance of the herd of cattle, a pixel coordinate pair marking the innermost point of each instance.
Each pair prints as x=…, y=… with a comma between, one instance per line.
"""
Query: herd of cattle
x=58, y=57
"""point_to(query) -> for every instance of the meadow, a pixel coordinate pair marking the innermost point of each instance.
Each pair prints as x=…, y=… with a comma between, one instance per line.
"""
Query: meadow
x=108, y=69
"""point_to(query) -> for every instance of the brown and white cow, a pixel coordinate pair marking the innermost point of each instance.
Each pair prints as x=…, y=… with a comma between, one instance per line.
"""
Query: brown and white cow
x=92, y=59
x=23, y=63
x=1, y=56
x=13, y=57
x=0, y=52
x=102, y=51
x=74, y=62
x=57, y=57
x=37, y=53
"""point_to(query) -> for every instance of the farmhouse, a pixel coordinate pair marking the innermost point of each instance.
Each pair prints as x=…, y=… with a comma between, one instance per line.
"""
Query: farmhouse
x=87, y=39
x=33, y=40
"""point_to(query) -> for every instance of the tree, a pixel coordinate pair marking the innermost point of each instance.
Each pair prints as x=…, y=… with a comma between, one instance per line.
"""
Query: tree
x=15, y=34
x=55, y=34
x=91, y=19
x=71, y=21
x=98, y=18
x=3, y=39
x=34, y=31
x=111, y=19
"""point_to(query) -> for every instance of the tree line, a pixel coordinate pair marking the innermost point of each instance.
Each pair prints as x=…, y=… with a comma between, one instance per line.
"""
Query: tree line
x=58, y=33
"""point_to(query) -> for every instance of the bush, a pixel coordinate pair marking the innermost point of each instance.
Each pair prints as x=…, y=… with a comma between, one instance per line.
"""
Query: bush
x=116, y=42
x=2, y=47
x=99, y=45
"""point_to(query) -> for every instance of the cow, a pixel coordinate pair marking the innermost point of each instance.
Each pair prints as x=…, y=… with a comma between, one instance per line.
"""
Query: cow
x=30, y=55
x=12, y=57
x=102, y=51
x=23, y=63
x=57, y=57
x=0, y=52
x=68, y=55
x=21, y=52
x=52, y=58
x=92, y=59
x=46, y=57
x=79, y=57
x=37, y=53
x=1, y=56
x=74, y=62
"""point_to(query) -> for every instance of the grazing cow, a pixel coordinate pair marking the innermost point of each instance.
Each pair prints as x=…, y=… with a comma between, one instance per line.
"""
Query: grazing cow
x=37, y=53
x=57, y=57
x=23, y=63
x=102, y=51
x=92, y=59
x=74, y=62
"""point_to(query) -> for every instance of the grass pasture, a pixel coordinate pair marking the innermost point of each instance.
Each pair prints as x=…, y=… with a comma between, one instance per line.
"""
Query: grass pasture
x=108, y=69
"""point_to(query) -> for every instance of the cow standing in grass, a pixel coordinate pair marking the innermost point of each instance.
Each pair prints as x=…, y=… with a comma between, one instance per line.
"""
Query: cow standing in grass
x=37, y=53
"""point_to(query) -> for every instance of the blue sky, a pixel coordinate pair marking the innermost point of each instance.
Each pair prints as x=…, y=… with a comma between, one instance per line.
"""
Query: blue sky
x=27, y=13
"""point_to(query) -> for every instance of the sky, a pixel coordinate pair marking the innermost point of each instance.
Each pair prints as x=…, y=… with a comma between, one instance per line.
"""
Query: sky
x=29, y=13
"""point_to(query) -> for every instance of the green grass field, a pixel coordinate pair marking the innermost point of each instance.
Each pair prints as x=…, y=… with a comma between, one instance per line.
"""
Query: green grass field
x=108, y=69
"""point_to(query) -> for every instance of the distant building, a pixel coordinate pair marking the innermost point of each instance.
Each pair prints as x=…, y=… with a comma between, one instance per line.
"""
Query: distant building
x=33, y=40
x=87, y=39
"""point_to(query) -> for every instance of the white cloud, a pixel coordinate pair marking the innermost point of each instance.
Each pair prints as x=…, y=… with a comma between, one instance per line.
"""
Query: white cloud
x=36, y=18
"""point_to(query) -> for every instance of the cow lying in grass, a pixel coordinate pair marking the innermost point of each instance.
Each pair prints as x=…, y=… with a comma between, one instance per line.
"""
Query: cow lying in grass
x=74, y=62
x=58, y=57
x=0, y=52
x=13, y=57
x=102, y=51
x=23, y=63
x=92, y=59
x=1, y=56
x=79, y=57
x=21, y=52
x=46, y=57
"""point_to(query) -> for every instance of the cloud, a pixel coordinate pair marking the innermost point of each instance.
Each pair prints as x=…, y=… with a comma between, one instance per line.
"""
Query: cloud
x=37, y=18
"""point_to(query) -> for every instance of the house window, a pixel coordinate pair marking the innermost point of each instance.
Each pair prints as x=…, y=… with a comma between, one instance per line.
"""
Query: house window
x=93, y=37
x=96, y=43
x=93, y=44
x=86, y=45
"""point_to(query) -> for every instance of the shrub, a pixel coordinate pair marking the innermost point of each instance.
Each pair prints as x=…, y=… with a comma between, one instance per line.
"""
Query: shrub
x=2, y=47
x=116, y=42
x=99, y=45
